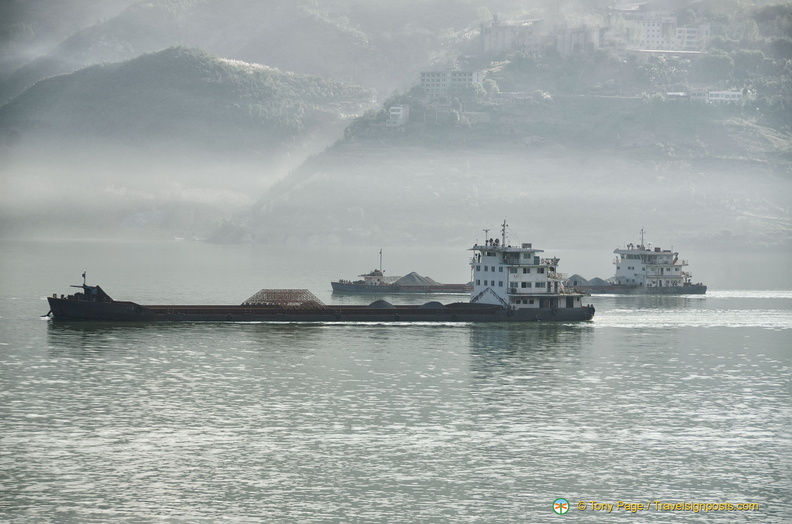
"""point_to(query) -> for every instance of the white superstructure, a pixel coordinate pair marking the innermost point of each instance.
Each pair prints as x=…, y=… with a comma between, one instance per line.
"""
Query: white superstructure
x=649, y=267
x=518, y=277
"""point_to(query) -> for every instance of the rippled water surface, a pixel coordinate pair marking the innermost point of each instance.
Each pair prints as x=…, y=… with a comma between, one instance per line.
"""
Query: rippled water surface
x=673, y=399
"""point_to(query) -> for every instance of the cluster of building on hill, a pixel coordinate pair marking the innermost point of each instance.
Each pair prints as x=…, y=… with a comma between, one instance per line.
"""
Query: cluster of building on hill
x=439, y=86
x=624, y=30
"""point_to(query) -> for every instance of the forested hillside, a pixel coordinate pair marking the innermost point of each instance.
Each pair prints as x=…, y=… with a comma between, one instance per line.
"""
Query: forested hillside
x=182, y=96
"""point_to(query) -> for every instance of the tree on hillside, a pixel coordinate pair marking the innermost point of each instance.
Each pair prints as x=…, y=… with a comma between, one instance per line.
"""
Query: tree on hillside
x=710, y=69
x=747, y=63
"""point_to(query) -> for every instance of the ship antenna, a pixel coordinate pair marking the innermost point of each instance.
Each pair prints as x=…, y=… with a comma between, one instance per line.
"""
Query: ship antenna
x=380, y=260
x=84, y=277
x=503, y=231
x=486, y=236
x=642, y=238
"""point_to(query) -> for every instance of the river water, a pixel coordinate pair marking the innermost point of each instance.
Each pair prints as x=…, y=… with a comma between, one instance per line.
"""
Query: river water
x=659, y=400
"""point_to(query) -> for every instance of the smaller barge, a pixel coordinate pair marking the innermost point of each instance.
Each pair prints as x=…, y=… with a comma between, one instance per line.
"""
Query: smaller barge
x=511, y=284
x=412, y=283
x=377, y=282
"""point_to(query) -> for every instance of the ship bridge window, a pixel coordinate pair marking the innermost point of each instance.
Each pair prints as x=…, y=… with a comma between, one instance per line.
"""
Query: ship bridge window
x=490, y=254
x=538, y=284
x=512, y=270
x=526, y=270
x=478, y=268
x=540, y=270
x=500, y=269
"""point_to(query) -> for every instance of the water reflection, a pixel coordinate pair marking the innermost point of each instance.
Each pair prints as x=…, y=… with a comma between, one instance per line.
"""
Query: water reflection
x=527, y=351
x=649, y=301
x=531, y=336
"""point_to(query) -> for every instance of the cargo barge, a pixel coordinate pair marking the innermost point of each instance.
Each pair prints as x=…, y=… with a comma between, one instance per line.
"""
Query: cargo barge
x=511, y=284
x=376, y=282
x=412, y=283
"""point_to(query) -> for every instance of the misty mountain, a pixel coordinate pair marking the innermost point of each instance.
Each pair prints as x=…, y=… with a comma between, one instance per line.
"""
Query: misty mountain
x=435, y=191
x=380, y=45
x=584, y=144
x=156, y=119
x=161, y=131
x=181, y=97
x=716, y=175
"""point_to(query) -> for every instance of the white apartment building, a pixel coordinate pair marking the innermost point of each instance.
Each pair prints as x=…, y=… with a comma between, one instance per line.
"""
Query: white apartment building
x=441, y=82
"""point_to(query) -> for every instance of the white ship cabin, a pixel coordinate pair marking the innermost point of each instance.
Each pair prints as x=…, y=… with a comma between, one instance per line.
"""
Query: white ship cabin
x=645, y=266
x=375, y=278
x=518, y=277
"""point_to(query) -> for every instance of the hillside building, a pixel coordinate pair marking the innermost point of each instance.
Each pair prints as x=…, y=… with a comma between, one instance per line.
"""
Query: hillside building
x=436, y=83
x=398, y=116
x=716, y=97
x=719, y=97
x=577, y=40
x=660, y=31
x=528, y=36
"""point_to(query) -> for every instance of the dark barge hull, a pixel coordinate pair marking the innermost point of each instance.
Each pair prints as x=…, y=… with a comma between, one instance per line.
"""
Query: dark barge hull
x=695, y=289
x=122, y=311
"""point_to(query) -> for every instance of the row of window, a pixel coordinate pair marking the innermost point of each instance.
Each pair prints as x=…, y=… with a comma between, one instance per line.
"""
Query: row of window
x=525, y=270
x=632, y=268
x=486, y=268
x=500, y=283
x=524, y=301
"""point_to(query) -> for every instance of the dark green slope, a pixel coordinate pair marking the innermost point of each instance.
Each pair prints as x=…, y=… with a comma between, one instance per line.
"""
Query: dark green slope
x=582, y=165
x=180, y=96
x=381, y=46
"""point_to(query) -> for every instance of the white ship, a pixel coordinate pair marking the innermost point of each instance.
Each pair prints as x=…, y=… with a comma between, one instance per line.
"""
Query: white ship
x=522, y=280
x=647, y=270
